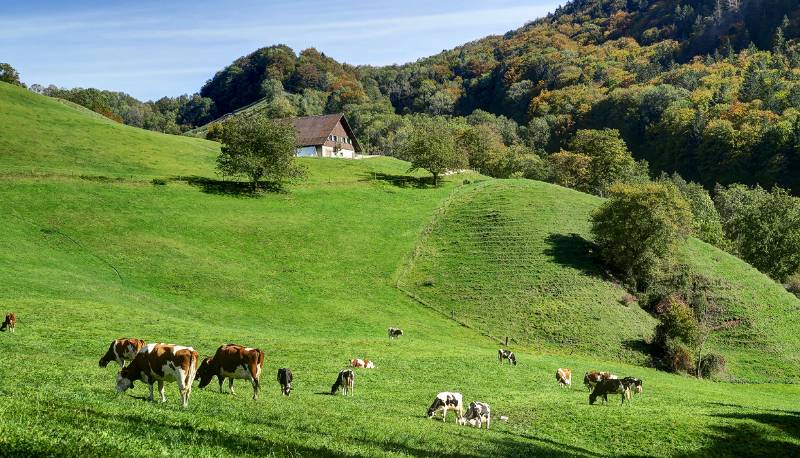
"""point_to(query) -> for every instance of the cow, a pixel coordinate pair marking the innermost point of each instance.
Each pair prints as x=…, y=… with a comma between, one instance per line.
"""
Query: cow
x=507, y=354
x=346, y=381
x=121, y=350
x=233, y=361
x=634, y=383
x=285, y=379
x=611, y=386
x=365, y=363
x=564, y=377
x=477, y=414
x=10, y=322
x=395, y=332
x=590, y=379
x=158, y=362
x=445, y=401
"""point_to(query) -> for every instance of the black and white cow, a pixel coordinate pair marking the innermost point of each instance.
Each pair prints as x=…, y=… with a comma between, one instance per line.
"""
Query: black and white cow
x=634, y=383
x=395, y=332
x=285, y=379
x=507, y=354
x=611, y=386
x=447, y=401
x=477, y=414
x=346, y=381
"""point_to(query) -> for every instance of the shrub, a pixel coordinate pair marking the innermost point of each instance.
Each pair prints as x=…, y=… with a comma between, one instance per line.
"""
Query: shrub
x=712, y=364
x=677, y=323
x=678, y=357
x=638, y=230
x=793, y=284
x=214, y=132
x=158, y=182
x=628, y=299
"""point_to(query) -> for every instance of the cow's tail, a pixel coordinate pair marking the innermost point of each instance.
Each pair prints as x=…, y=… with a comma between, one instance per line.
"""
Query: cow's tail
x=192, y=369
x=256, y=370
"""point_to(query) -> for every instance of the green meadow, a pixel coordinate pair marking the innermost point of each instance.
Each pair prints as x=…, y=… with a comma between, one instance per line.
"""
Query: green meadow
x=92, y=249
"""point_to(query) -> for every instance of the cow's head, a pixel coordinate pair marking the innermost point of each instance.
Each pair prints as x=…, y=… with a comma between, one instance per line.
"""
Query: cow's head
x=592, y=398
x=437, y=403
x=126, y=377
x=205, y=372
x=108, y=357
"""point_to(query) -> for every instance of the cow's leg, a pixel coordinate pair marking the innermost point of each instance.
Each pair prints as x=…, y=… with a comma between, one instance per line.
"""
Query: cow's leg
x=488, y=421
x=230, y=385
x=161, y=391
x=255, y=383
x=221, y=380
x=151, y=392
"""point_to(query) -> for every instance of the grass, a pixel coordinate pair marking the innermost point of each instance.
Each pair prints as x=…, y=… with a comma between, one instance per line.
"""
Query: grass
x=308, y=276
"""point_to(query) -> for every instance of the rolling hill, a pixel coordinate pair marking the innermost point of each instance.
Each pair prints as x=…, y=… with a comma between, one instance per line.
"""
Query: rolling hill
x=513, y=258
x=92, y=250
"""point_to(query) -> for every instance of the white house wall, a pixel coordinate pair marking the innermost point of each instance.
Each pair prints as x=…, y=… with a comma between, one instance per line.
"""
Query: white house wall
x=327, y=151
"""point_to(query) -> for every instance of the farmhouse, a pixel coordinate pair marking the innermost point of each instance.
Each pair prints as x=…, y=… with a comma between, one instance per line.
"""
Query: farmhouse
x=325, y=136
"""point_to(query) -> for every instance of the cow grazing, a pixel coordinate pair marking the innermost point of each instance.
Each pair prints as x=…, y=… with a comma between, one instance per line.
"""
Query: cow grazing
x=447, y=401
x=564, y=377
x=121, y=350
x=634, y=383
x=395, y=332
x=10, y=322
x=161, y=363
x=590, y=379
x=477, y=414
x=611, y=386
x=365, y=363
x=285, y=379
x=233, y=361
x=507, y=354
x=346, y=381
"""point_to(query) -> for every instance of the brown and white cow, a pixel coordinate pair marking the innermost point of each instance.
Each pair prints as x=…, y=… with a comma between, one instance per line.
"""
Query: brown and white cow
x=233, y=361
x=161, y=363
x=10, y=322
x=121, y=350
x=590, y=379
x=564, y=377
x=365, y=363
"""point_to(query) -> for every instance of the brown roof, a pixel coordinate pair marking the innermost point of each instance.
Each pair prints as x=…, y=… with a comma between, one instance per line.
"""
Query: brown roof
x=314, y=130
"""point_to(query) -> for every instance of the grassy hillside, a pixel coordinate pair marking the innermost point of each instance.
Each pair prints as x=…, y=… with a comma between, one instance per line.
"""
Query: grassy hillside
x=42, y=135
x=512, y=258
x=308, y=276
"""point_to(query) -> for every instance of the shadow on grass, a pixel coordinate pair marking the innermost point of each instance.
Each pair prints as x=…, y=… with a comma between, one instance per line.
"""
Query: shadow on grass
x=175, y=430
x=640, y=346
x=230, y=188
x=401, y=181
x=572, y=250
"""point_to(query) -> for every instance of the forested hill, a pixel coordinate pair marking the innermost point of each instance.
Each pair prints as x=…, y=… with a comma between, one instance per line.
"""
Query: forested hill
x=706, y=88
x=702, y=26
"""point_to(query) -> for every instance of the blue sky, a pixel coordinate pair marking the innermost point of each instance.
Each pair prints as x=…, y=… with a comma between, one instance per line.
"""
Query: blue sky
x=155, y=48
